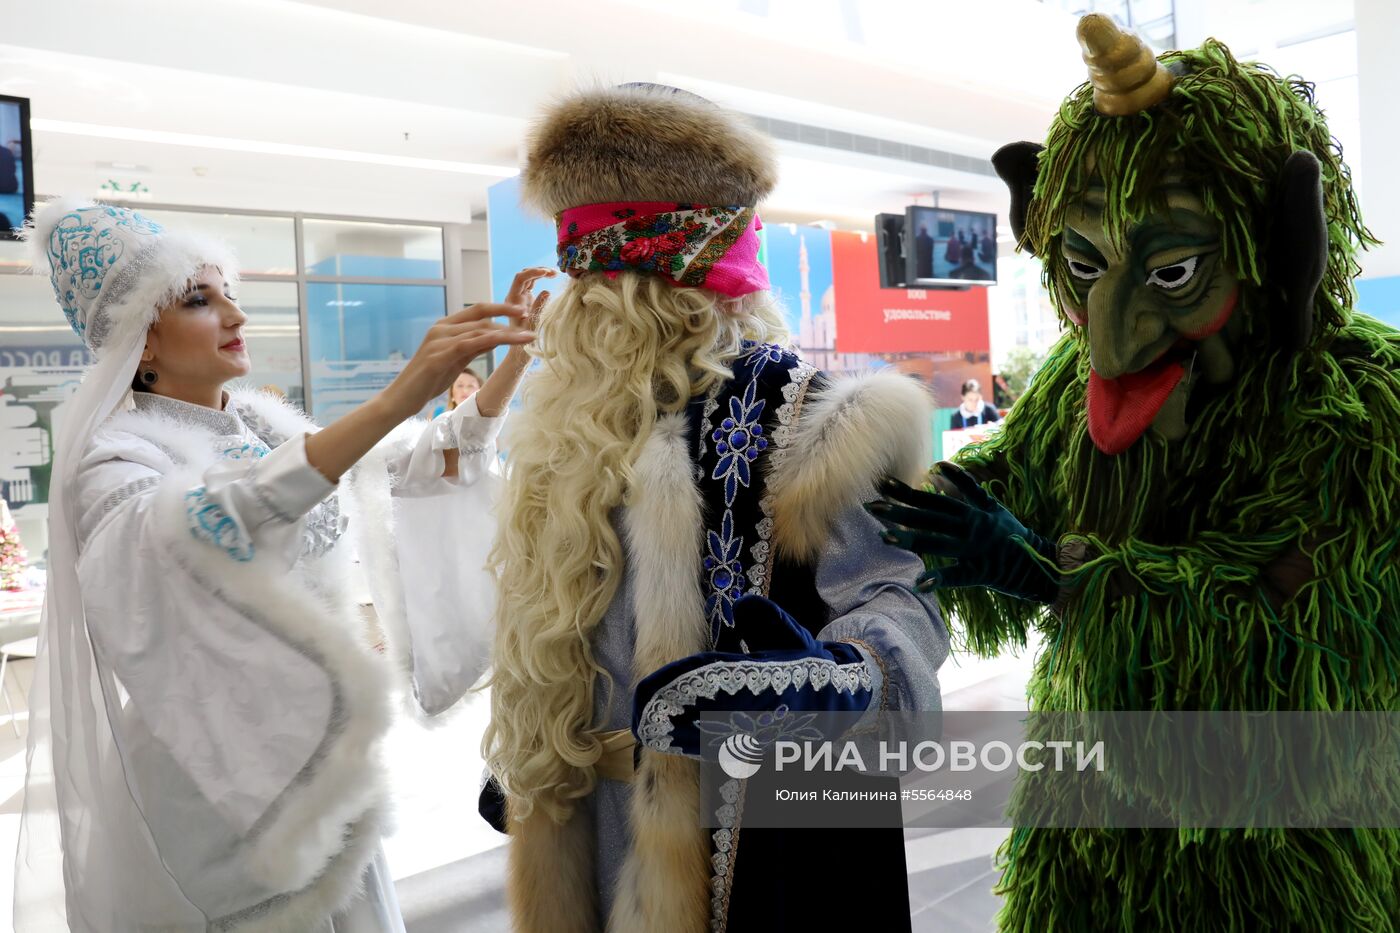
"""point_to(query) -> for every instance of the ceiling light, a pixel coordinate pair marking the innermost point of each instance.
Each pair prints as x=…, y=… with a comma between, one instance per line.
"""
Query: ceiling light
x=229, y=144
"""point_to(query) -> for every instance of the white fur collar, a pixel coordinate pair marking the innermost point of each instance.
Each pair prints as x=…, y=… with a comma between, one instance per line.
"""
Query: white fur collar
x=276, y=412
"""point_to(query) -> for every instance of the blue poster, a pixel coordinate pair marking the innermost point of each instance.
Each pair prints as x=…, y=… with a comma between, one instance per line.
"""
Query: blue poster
x=1380, y=298
x=799, y=268
x=518, y=239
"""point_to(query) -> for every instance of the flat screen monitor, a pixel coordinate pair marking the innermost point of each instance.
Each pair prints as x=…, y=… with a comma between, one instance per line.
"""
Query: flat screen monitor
x=948, y=247
x=16, y=166
x=889, y=236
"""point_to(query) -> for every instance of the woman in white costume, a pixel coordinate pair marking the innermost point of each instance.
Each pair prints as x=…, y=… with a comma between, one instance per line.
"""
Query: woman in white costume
x=208, y=703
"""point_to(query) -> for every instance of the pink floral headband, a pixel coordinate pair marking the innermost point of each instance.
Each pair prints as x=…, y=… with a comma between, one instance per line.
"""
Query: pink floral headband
x=686, y=244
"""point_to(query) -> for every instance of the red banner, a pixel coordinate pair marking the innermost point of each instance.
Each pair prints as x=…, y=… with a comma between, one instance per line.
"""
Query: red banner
x=871, y=319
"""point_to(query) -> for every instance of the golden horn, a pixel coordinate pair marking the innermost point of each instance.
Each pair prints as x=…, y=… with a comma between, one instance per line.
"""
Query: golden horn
x=1127, y=78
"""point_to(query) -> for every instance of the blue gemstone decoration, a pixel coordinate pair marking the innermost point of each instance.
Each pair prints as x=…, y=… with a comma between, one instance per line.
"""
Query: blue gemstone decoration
x=736, y=447
x=733, y=466
x=724, y=570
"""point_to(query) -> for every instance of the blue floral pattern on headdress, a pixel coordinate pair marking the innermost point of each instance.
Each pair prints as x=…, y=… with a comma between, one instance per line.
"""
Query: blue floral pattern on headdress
x=84, y=247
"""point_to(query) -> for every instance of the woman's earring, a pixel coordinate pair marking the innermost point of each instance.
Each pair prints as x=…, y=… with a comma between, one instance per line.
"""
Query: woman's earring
x=149, y=377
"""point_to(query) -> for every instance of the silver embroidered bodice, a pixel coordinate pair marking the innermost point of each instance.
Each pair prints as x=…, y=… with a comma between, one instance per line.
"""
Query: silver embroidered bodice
x=240, y=434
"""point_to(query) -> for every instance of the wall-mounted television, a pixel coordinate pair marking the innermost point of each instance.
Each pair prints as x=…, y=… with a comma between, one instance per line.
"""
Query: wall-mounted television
x=889, y=238
x=949, y=247
x=16, y=166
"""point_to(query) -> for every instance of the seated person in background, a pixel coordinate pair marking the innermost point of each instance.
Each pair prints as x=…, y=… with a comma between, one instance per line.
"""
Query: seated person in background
x=974, y=410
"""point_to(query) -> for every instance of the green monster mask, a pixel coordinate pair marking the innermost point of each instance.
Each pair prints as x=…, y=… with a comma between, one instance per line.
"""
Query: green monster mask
x=1188, y=210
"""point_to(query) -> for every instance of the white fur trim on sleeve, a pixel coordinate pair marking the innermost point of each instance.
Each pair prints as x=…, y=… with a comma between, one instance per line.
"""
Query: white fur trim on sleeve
x=849, y=435
x=346, y=780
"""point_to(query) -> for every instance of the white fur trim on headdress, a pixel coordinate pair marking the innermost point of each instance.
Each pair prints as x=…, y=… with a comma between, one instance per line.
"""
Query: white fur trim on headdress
x=152, y=273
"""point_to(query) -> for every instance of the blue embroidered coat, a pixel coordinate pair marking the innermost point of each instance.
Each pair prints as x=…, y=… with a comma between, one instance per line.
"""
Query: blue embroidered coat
x=778, y=461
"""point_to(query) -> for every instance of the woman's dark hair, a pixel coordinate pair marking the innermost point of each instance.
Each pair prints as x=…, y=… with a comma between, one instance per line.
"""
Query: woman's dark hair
x=971, y=385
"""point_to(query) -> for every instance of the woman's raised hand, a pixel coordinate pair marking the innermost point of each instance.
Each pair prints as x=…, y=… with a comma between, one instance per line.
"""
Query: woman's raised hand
x=523, y=285
x=495, y=395
x=449, y=345
x=522, y=293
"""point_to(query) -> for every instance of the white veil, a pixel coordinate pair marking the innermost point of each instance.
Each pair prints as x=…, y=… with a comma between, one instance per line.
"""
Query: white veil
x=83, y=847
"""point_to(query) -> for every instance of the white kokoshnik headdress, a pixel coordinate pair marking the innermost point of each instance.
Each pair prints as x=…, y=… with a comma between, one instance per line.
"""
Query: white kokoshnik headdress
x=112, y=268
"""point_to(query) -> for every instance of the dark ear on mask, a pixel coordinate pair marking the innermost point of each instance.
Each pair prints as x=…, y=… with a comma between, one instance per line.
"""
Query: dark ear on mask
x=1015, y=164
x=1297, y=256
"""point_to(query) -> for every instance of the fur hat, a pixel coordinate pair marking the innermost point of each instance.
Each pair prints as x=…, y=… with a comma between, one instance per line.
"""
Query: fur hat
x=112, y=269
x=644, y=142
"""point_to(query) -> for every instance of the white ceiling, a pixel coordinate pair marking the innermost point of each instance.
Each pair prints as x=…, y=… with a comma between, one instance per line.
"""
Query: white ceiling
x=411, y=110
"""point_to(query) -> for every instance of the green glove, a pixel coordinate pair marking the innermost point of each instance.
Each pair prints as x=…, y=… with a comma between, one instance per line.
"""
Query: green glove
x=988, y=544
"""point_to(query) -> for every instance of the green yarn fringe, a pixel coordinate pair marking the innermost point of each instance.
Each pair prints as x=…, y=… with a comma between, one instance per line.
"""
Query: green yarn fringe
x=1170, y=612
x=1221, y=881
x=1305, y=454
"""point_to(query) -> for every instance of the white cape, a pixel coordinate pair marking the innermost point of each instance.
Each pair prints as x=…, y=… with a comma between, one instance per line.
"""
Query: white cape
x=205, y=749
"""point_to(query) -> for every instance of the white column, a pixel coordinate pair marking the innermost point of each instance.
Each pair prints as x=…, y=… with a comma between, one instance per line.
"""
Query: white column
x=1378, y=74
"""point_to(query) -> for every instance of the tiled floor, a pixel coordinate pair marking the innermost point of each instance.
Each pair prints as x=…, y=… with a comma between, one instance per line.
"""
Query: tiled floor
x=450, y=864
x=950, y=870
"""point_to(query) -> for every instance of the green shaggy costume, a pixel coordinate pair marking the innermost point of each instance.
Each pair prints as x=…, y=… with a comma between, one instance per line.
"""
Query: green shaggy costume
x=1251, y=565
